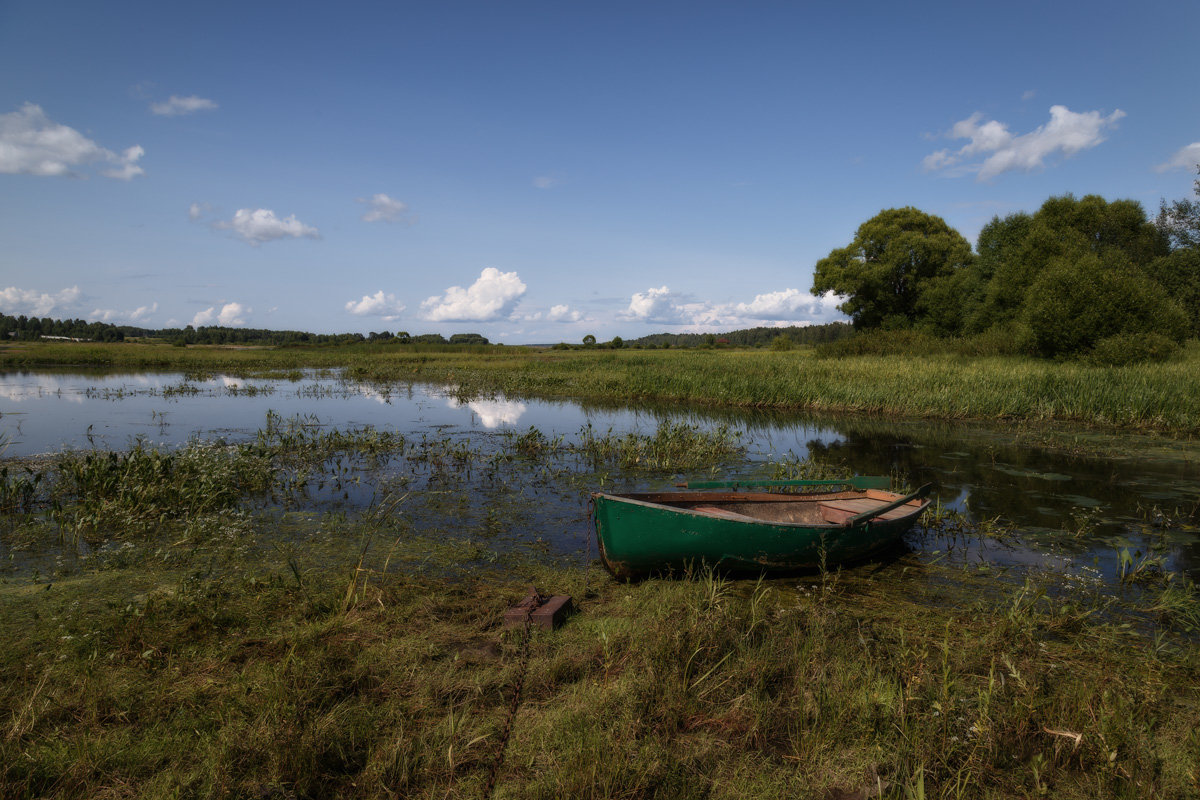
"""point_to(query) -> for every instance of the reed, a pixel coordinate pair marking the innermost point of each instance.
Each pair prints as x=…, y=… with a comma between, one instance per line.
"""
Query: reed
x=672, y=447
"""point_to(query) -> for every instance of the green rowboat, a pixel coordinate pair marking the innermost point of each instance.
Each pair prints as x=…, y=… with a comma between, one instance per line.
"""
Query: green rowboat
x=641, y=533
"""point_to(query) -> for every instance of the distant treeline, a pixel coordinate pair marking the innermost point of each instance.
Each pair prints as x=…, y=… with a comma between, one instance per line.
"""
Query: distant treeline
x=28, y=328
x=749, y=337
x=23, y=327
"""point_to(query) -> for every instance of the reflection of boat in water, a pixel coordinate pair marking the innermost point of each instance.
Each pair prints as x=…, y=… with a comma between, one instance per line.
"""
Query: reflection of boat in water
x=646, y=532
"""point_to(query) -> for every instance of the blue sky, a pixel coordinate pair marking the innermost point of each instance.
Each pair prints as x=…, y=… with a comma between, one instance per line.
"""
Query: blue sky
x=539, y=171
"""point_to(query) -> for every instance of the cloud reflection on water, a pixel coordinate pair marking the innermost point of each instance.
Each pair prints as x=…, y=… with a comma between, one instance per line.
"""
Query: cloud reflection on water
x=492, y=413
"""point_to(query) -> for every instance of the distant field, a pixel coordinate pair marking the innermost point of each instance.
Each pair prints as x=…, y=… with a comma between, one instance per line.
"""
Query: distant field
x=1154, y=397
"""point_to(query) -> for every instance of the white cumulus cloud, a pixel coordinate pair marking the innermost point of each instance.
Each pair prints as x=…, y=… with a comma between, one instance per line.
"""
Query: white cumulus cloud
x=789, y=304
x=563, y=313
x=992, y=149
x=176, y=106
x=32, y=144
x=385, y=209
x=784, y=307
x=255, y=226
x=376, y=305
x=32, y=303
x=1185, y=158
x=126, y=166
x=137, y=315
x=657, y=305
x=231, y=315
x=492, y=297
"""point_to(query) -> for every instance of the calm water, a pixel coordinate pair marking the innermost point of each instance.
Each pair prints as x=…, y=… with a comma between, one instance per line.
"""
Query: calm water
x=1135, y=492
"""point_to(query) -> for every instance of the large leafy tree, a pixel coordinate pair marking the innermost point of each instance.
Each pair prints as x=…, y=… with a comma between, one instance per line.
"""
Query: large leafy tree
x=999, y=248
x=1017, y=250
x=897, y=257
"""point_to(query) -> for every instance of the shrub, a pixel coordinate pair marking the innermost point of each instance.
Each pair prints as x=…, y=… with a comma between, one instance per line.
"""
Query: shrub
x=1124, y=348
x=884, y=343
x=1072, y=306
x=1005, y=339
x=1179, y=274
x=781, y=342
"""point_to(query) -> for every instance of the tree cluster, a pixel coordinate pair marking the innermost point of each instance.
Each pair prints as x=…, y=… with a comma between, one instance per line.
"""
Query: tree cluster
x=748, y=337
x=217, y=334
x=22, y=327
x=29, y=328
x=1078, y=277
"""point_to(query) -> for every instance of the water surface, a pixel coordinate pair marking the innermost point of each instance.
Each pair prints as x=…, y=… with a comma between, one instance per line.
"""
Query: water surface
x=1076, y=499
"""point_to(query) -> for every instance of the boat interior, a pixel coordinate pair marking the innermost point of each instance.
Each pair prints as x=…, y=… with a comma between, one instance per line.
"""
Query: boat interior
x=802, y=509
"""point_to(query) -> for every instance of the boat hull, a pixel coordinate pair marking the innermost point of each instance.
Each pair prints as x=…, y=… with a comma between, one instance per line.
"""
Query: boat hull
x=640, y=534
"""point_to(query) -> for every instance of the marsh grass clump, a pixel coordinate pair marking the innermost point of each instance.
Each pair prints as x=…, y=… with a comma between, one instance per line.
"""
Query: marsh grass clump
x=1177, y=604
x=793, y=468
x=184, y=388
x=533, y=443
x=146, y=491
x=304, y=440
x=673, y=446
x=20, y=489
x=145, y=487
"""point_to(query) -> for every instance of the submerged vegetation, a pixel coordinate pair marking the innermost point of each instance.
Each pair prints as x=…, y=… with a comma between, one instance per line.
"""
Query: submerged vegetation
x=315, y=612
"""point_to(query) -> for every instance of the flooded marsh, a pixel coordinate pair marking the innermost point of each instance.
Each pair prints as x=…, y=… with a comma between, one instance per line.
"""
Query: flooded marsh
x=292, y=586
x=333, y=444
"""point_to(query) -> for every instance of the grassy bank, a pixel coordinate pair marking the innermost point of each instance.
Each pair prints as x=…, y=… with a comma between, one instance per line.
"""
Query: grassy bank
x=277, y=681
x=1152, y=397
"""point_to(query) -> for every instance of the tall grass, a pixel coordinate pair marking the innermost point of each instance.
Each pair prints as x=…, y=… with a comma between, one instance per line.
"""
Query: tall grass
x=140, y=684
x=1154, y=397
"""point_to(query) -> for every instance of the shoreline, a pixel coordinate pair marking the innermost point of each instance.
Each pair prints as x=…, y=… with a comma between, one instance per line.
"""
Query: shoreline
x=1153, y=398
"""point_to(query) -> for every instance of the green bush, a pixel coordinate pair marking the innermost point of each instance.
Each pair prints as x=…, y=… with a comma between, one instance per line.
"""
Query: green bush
x=1122, y=349
x=1005, y=339
x=1073, y=306
x=1179, y=274
x=881, y=342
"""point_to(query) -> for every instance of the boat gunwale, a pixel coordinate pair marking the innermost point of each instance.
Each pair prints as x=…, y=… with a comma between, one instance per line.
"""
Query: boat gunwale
x=735, y=497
